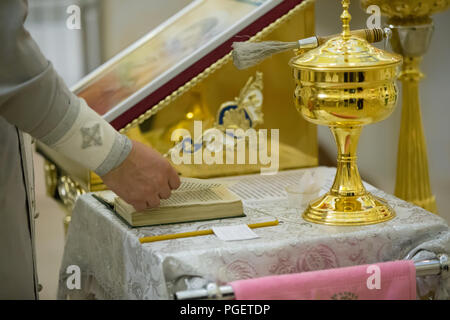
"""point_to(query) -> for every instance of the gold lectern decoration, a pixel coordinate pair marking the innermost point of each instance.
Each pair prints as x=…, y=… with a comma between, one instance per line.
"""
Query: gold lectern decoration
x=243, y=112
x=346, y=83
x=246, y=110
x=232, y=122
x=412, y=29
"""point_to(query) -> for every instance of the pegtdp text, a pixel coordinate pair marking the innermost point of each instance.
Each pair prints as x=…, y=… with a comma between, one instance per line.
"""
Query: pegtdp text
x=227, y=309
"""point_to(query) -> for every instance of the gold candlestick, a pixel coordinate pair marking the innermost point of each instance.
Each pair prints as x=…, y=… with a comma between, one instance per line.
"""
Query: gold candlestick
x=412, y=29
x=412, y=181
x=346, y=83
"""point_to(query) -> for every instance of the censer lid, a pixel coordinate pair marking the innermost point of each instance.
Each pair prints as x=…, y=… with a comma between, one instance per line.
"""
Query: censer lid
x=345, y=52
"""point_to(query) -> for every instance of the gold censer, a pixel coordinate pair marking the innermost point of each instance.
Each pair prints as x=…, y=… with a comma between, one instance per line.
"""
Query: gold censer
x=346, y=83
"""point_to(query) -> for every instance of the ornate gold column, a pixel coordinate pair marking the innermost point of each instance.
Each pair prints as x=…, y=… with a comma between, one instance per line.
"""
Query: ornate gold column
x=412, y=29
x=413, y=182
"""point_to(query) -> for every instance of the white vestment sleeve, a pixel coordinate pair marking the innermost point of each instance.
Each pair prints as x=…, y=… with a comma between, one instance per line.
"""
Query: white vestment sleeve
x=90, y=140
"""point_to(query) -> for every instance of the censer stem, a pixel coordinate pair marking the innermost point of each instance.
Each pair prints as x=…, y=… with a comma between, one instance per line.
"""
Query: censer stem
x=347, y=181
x=348, y=202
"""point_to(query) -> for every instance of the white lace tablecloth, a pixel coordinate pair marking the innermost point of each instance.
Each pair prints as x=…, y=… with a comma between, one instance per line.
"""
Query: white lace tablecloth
x=115, y=265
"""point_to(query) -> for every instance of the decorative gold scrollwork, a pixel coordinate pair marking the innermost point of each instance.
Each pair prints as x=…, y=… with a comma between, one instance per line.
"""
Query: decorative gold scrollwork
x=51, y=178
x=244, y=111
x=68, y=191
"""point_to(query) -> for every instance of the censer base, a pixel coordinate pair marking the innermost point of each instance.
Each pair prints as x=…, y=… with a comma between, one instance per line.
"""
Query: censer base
x=338, y=210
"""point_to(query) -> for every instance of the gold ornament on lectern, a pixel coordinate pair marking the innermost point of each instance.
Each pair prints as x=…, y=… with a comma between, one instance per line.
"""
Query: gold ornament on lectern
x=346, y=83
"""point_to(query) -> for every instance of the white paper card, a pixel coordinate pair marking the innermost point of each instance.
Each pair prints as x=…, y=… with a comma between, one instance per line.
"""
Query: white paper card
x=236, y=232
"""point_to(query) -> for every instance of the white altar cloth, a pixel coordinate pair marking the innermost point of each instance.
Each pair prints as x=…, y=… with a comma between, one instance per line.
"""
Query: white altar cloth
x=115, y=265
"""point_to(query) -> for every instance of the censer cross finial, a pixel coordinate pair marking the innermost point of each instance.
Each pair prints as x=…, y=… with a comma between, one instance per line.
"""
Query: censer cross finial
x=346, y=17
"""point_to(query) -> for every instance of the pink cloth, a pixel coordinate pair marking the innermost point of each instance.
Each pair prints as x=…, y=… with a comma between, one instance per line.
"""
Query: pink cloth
x=397, y=281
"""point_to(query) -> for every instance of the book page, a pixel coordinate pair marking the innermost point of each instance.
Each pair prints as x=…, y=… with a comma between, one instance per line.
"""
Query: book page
x=193, y=192
x=192, y=184
x=265, y=187
x=203, y=196
x=257, y=188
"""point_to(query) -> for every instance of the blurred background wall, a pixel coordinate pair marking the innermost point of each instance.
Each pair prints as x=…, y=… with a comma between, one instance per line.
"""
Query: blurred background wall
x=108, y=26
x=124, y=22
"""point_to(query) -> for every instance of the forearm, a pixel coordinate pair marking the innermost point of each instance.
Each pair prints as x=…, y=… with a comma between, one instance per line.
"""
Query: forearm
x=87, y=138
x=35, y=99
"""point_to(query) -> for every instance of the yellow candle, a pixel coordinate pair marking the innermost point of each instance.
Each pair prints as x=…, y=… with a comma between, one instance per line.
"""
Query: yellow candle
x=200, y=232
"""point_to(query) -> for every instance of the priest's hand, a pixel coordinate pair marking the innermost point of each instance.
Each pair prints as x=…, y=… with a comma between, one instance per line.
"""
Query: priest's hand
x=143, y=178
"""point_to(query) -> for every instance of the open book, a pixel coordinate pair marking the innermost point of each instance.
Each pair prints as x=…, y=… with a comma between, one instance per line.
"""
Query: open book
x=194, y=200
